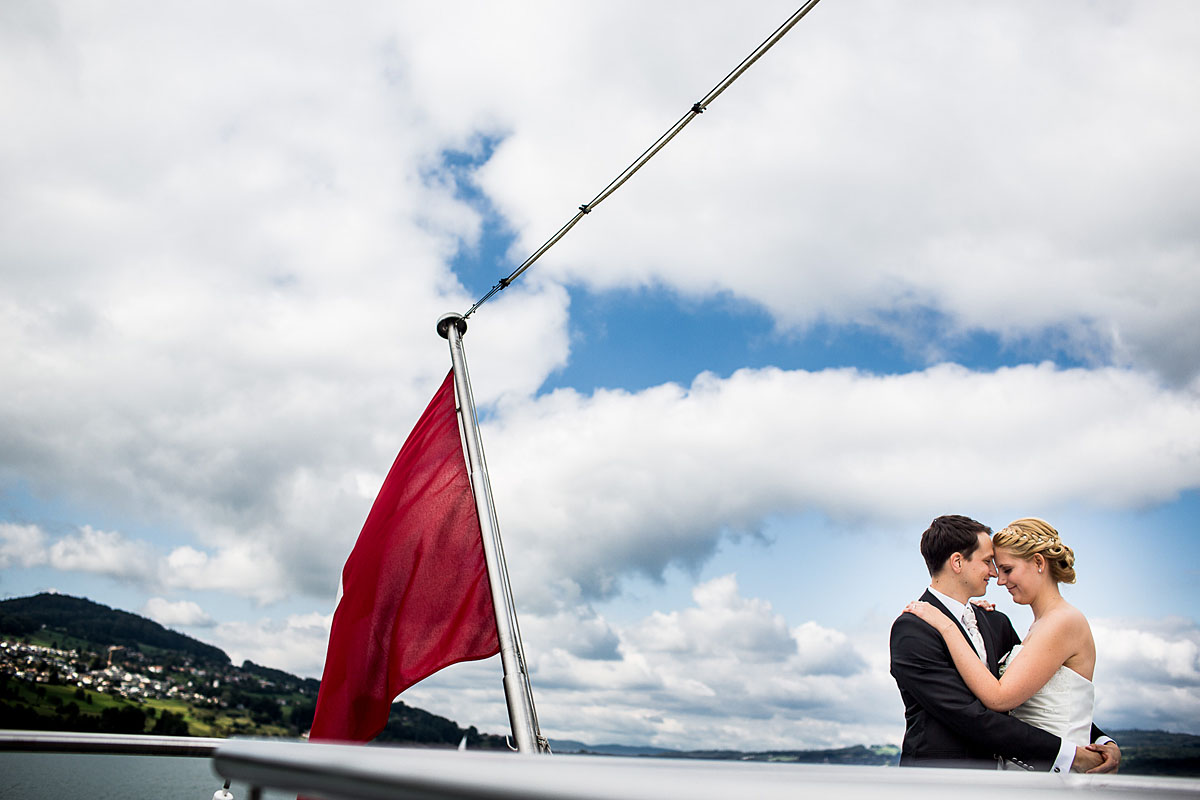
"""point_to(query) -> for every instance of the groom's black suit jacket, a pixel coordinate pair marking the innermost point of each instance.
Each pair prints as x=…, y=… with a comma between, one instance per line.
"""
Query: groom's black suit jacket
x=945, y=724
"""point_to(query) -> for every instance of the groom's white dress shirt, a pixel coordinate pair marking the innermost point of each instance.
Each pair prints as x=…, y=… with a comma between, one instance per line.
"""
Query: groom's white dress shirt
x=1066, y=750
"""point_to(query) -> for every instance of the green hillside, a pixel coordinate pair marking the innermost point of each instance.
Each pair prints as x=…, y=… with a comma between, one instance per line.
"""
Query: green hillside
x=57, y=672
x=100, y=625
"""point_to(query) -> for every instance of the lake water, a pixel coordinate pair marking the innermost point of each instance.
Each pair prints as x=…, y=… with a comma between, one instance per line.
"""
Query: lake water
x=51, y=776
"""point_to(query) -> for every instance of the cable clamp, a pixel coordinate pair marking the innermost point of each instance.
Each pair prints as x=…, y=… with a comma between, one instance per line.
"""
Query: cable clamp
x=585, y=208
x=697, y=108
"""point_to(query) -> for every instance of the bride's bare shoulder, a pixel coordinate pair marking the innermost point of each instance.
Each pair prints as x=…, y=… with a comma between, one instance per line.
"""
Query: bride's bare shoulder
x=1064, y=620
x=1072, y=615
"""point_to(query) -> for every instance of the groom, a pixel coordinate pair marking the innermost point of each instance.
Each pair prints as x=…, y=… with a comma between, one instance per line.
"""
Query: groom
x=945, y=724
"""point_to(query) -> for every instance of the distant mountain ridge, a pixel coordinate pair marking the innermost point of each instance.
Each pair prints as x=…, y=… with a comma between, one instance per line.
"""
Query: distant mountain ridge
x=875, y=755
x=98, y=623
x=1142, y=753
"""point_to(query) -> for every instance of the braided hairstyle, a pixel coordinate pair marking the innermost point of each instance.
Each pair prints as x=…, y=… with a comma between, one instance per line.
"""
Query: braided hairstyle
x=1027, y=537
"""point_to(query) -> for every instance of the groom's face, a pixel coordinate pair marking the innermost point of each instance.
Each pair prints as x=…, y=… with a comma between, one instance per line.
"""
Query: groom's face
x=978, y=569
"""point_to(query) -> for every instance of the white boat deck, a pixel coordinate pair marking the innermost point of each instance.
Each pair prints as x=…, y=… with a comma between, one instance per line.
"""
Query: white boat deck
x=375, y=773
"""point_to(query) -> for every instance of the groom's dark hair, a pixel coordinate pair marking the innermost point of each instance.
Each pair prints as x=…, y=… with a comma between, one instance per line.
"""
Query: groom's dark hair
x=948, y=535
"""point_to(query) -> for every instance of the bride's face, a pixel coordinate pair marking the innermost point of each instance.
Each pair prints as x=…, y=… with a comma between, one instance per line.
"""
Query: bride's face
x=1019, y=576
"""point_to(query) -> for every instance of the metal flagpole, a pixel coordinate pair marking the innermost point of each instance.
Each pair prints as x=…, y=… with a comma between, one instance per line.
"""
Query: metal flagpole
x=518, y=692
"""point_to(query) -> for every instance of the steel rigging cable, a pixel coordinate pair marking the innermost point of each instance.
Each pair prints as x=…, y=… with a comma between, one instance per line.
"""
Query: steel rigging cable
x=696, y=109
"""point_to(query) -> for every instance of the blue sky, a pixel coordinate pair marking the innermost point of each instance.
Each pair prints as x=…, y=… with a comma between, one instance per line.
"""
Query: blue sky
x=920, y=260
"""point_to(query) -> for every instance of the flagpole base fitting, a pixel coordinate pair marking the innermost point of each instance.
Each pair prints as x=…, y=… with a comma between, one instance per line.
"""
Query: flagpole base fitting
x=446, y=320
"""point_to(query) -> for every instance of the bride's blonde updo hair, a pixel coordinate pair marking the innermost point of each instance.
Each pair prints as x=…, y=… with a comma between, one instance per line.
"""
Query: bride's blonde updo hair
x=1027, y=537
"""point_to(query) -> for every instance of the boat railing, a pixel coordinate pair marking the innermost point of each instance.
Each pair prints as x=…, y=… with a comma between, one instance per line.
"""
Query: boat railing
x=108, y=743
x=356, y=772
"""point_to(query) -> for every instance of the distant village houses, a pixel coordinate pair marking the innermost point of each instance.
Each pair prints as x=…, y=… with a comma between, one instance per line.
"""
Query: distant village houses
x=113, y=675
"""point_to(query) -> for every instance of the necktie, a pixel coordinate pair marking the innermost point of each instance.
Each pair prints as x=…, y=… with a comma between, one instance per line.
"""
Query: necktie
x=968, y=621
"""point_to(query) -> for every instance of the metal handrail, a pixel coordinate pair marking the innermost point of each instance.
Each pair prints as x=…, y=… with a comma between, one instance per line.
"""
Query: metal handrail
x=355, y=772
x=107, y=743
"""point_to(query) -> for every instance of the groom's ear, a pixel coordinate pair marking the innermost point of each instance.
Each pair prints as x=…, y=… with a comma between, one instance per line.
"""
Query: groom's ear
x=956, y=562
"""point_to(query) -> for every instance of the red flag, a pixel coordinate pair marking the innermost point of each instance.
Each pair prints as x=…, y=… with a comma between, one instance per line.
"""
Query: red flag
x=416, y=596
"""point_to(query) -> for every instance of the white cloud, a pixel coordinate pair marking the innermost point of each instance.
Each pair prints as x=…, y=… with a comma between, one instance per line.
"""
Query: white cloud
x=1014, y=169
x=1148, y=672
x=178, y=613
x=575, y=629
x=256, y=260
x=593, y=488
x=248, y=569
x=21, y=545
x=822, y=651
x=259, y=248
x=105, y=553
x=295, y=644
x=1143, y=650
x=724, y=672
x=244, y=569
x=722, y=624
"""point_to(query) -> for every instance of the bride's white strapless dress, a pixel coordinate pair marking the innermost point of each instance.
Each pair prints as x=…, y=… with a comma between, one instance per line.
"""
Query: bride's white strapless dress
x=1063, y=706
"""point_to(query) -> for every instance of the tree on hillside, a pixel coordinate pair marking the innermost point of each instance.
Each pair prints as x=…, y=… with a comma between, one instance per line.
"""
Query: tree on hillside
x=17, y=624
x=170, y=724
x=302, y=717
x=123, y=719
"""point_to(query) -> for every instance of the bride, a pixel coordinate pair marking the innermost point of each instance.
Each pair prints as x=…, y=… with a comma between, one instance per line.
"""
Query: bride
x=1046, y=681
